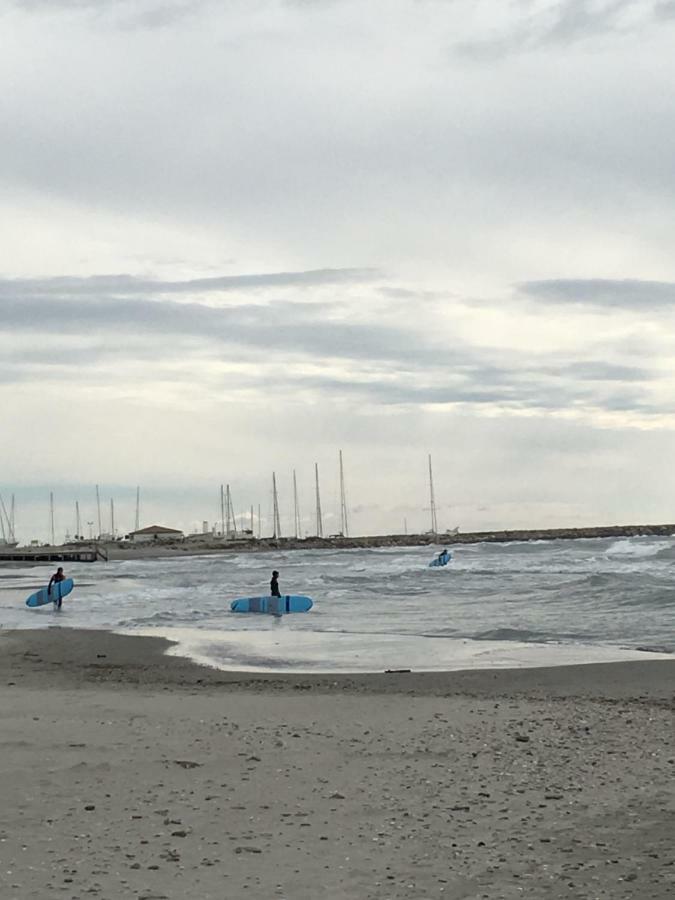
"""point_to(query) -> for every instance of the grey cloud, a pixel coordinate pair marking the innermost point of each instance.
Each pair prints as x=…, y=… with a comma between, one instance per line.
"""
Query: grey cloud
x=563, y=23
x=580, y=19
x=126, y=285
x=513, y=393
x=405, y=366
x=601, y=371
x=295, y=328
x=665, y=10
x=131, y=14
x=629, y=294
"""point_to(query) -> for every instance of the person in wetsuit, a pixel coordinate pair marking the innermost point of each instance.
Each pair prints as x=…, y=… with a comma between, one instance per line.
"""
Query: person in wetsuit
x=56, y=577
x=274, y=584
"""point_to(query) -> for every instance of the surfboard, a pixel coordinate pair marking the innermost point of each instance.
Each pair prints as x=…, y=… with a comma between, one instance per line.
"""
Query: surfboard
x=289, y=603
x=442, y=560
x=59, y=589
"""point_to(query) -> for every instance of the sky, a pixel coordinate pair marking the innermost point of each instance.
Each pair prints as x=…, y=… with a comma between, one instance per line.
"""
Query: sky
x=237, y=236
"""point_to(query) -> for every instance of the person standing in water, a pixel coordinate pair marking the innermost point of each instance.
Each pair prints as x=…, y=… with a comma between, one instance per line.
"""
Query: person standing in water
x=274, y=584
x=55, y=579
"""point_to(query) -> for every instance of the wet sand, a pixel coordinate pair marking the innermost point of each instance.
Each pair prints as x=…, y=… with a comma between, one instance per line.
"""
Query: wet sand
x=127, y=773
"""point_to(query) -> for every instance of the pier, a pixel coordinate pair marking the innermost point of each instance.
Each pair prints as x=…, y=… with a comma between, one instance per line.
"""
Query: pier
x=87, y=554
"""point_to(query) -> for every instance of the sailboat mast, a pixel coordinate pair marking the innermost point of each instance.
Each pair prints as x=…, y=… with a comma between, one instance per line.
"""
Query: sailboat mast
x=296, y=511
x=138, y=508
x=112, y=518
x=98, y=510
x=11, y=521
x=251, y=519
x=51, y=517
x=275, y=501
x=3, y=515
x=344, y=525
x=222, y=511
x=230, y=513
x=319, y=517
x=78, y=534
x=434, y=522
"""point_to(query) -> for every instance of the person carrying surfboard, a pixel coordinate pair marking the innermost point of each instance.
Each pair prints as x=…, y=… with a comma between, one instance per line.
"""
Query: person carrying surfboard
x=55, y=579
x=274, y=585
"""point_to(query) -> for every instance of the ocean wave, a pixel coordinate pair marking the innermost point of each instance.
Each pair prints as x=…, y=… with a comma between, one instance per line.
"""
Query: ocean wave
x=614, y=592
x=640, y=549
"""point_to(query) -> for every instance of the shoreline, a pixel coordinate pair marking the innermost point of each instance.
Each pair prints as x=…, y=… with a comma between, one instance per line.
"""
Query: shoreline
x=76, y=656
x=197, y=546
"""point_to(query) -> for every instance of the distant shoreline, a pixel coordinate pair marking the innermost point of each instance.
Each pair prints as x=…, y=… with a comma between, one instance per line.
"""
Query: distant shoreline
x=197, y=546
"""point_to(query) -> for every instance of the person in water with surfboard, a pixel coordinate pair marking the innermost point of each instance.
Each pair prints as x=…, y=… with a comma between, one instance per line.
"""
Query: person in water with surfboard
x=55, y=579
x=274, y=584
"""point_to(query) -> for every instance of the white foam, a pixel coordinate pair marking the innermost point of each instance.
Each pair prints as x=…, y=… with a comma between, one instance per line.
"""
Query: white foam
x=637, y=549
x=282, y=649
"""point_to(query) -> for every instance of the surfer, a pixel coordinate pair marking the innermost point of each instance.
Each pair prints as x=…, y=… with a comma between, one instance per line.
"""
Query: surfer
x=443, y=556
x=55, y=579
x=274, y=584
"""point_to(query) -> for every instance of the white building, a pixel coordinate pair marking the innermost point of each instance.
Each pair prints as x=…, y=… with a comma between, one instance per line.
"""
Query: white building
x=156, y=533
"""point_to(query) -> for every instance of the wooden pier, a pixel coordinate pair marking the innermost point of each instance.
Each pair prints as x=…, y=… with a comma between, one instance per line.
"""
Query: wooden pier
x=87, y=554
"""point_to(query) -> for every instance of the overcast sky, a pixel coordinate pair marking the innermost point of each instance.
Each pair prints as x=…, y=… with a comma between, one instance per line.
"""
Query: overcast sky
x=239, y=235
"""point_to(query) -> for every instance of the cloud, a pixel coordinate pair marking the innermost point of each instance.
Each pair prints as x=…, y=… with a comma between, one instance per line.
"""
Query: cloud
x=562, y=23
x=82, y=307
x=131, y=14
x=127, y=329
x=627, y=294
x=125, y=285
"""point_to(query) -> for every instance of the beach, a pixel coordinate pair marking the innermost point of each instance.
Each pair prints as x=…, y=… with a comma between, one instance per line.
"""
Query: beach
x=129, y=773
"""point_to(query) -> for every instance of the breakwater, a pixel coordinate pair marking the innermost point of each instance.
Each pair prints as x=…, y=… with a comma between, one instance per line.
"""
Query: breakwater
x=207, y=544
x=469, y=537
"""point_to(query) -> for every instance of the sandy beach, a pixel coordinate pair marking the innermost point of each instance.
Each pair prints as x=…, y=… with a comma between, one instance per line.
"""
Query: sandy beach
x=128, y=773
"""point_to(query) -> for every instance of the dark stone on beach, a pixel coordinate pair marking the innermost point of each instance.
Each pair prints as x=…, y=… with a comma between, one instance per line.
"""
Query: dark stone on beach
x=89, y=807
x=336, y=796
x=522, y=738
x=187, y=763
x=180, y=833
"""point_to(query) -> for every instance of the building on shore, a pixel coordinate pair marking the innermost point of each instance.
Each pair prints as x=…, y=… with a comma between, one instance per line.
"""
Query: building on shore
x=155, y=533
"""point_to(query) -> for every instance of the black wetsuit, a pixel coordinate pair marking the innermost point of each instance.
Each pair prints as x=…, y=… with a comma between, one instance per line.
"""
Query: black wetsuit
x=55, y=579
x=274, y=587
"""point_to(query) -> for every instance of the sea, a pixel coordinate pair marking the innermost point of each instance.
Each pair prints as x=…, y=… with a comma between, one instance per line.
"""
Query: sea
x=494, y=606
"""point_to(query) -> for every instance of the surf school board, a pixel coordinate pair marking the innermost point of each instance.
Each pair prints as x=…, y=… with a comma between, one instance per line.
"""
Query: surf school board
x=289, y=603
x=59, y=589
x=440, y=561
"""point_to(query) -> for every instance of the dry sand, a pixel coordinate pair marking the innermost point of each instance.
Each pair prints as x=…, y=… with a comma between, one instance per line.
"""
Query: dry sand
x=126, y=773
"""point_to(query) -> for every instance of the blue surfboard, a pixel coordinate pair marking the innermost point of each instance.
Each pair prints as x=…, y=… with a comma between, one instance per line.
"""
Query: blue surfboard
x=59, y=589
x=289, y=603
x=441, y=560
